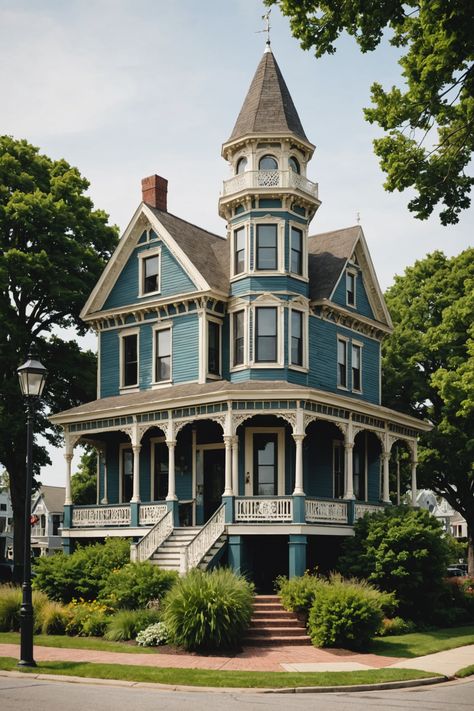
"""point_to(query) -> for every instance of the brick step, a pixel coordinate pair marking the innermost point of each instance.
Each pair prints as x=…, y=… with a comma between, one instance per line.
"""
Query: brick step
x=275, y=622
x=276, y=641
x=276, y=632
x=276, y=607
x=268, y=598
x=272, y=615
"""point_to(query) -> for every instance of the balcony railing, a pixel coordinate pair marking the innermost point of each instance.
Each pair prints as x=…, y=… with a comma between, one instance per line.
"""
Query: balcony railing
x=320, y=511
x=115, y=515
x=264, y=510
x=361, y=509
x=253, y=179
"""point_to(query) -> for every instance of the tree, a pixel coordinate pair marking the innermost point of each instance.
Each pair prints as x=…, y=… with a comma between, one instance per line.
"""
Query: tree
x=429, y=123
x=84, y=481
x=53, y=247
x=428, y=367
x=401, y=551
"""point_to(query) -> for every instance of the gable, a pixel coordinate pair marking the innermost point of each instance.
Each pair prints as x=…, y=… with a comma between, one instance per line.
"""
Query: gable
x=361, y=303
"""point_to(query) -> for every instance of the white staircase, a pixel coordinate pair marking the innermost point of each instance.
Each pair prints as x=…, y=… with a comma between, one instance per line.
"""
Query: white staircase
x=168, y=555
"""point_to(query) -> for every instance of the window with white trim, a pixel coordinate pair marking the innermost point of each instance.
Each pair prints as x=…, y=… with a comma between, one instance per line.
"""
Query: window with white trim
x=239, y=250
x=296, y=251
x=129, y=360
x=351, y=288
x=266, y=334
x=341, y=363
x=356, y=366
x=266, y=247
x=213, y=348
x=238, y=339
x=296, y=345
x=162, y=355
x=149, y=267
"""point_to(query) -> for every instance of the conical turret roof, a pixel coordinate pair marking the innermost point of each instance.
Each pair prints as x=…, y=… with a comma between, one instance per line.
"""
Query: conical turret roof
x=268, y=106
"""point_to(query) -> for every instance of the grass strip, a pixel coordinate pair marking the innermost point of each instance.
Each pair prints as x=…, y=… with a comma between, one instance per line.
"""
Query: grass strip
x=465, y=671
x=213, y=678
x=66, y=642
x=417, y=644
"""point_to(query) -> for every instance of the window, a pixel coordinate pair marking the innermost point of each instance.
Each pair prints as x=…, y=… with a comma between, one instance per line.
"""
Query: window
x=350, y=288
x=213, y=348
x=163, y=355
x=293, y=164
x=130, y=360
x=268, y=163
x=296, y=251
x=266, y=335
x=341, y=363
x=238, y=333
x=241, y=165
x=150, y=274
x=356, y=367
x=127, y=474
x=239, y=250
x=296, y=357
x=266, y=247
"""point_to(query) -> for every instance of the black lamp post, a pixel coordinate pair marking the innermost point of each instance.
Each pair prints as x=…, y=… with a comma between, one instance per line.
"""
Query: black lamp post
x=32, y=376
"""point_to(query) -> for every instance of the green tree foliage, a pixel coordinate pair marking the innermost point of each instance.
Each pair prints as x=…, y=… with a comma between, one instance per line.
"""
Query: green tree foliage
x=53, y=247
x=401, y=551
x=84, y=481
x=429, y=124
x=428, y=369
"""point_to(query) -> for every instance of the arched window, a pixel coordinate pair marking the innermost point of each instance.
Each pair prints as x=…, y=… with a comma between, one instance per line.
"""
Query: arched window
x=241, y=165
x=268, y=163
x=294, y=165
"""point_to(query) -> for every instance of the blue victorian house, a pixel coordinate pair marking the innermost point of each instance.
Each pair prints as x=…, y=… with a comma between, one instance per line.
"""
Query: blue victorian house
x=238, y=413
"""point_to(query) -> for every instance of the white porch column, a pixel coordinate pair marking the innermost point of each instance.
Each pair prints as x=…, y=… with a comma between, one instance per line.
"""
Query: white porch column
x=136, y=473
x=235, y=465
x=228, y=465
x=68, y=496
x=171, y=471
x=298, y=490
x=349, y=469
x=414, y=492
x=385, y=485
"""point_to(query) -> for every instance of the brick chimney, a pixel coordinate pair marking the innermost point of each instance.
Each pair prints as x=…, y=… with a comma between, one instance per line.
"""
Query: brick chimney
x=155, y=191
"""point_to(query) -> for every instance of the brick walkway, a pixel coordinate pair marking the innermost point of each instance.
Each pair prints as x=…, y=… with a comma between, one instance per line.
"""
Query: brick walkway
x=251, y=659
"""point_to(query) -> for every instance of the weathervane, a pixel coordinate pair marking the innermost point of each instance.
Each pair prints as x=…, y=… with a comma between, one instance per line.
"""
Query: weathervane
x=266, y=19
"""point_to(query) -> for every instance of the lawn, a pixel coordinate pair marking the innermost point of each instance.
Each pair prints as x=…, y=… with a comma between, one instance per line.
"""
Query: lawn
x=417, y=644
x=67, y=642
x=220, y=679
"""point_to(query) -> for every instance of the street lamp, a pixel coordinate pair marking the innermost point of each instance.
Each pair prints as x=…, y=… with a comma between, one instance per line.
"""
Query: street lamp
x=32, y=376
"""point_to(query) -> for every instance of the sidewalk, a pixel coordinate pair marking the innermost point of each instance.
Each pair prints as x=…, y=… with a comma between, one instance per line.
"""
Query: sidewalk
x=303, y=659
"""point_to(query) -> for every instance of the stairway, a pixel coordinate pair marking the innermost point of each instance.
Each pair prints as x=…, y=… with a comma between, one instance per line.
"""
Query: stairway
x=273, y=626
x=168, y=555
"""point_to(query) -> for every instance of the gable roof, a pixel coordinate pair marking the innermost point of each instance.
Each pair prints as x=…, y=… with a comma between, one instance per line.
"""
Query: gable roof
x=206, y=266
x=53, y=497
x=268, y=106
x=328, y=255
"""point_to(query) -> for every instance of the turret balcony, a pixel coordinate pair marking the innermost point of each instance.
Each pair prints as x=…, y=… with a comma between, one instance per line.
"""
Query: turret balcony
x=268, y=180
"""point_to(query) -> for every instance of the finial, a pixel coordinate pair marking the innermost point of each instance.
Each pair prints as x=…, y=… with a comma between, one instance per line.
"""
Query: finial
x=266, y=19
x=358, y=218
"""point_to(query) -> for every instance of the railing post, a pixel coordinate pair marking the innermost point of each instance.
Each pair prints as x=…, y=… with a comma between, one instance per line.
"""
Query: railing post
x=133, y=553
x=183, y=562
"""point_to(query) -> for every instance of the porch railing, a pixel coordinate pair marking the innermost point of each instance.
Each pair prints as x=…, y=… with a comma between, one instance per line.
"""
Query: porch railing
x=320, y=511
x=195, y=551
x=94, y=517
x=361, y=509
x=251, y=509
x=144, y=549
x=151, y=513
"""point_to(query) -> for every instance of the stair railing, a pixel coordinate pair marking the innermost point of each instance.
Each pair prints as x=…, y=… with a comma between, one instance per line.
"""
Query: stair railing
x=203, y=541
x=144, y=549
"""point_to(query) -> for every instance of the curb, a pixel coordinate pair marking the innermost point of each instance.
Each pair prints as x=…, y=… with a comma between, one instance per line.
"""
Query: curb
x=175, y=687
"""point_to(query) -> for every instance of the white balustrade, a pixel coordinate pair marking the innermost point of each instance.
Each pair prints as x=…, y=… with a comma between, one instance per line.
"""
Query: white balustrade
x=325, y=511
x=269, y=179
x=195, y=551
x=145, y=548
x=253, y=509
x=85, y=517
x=361, y=509
x=151, y=513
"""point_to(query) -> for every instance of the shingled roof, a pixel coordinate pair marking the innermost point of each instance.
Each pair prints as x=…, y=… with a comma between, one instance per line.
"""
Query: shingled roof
x=328, y=254
x=268, y=106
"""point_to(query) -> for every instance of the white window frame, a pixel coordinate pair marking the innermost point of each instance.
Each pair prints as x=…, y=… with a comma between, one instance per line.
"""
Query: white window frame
x=280, y=323
x=304, y=253
x=270, y=220
x=162, y=326
x=122, y=335
x=242, y=366
x=346, y=341
x=351, y=272
x=234, y=229
x=304, y=334
x=360, y=346
x=249, y=473
x=214, y=376
x=122, y=447
x=142, y=255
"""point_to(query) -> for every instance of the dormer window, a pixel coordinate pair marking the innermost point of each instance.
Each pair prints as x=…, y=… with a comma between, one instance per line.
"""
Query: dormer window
x=149, y=272
x=268, y=163
x=241, y=166
x=351, y=288
x=294, y=165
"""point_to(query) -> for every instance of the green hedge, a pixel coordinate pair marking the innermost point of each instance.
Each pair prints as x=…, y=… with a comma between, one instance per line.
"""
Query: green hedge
x=135, y=585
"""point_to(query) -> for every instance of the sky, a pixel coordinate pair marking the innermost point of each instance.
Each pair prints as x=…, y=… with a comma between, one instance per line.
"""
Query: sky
x=124, y=89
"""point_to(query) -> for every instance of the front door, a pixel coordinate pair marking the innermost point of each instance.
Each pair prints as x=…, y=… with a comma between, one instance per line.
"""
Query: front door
x=213, y=480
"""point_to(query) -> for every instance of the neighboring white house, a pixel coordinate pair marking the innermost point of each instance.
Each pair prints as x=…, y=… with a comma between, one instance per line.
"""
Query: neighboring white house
x=6, y=524
x=451, y=520
x=47, y=507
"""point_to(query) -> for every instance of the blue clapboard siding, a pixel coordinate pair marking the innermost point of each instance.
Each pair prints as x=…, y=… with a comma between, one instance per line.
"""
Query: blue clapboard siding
x=323, y=360
x=272, y=284
x=362, y=305
x=174, y=279
x=146, y=356
x=185, y=348
x=109, y=364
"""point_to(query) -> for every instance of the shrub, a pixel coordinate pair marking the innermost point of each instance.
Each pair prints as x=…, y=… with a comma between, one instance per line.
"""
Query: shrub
x=208, y=610
x=392, y=626
x=87, y=619
x=403, y=551
x=10, y=604
x=126, y=624
x=134, y=585
x=346, y=613
x=53, y=619
x=297, y=594
x=153, y=636
x=456, y=603
x=81, y=574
